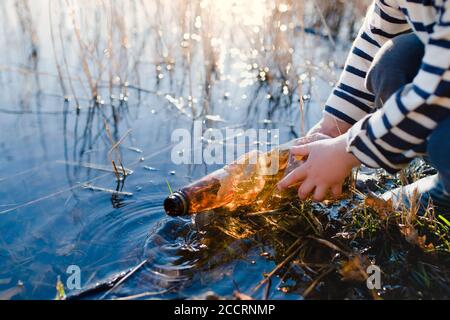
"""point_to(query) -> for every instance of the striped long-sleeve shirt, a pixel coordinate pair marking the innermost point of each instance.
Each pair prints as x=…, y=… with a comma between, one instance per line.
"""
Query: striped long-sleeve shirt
x=392, y=136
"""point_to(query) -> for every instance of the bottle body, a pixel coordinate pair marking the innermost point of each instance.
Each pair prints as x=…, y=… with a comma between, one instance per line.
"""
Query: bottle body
x=249, y=181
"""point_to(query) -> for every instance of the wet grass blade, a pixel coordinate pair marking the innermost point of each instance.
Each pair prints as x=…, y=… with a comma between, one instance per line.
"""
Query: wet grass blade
x=170, y=188
x=445, y=220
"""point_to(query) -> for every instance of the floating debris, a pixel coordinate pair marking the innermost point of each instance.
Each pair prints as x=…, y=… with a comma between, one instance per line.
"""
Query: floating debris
x=172, y=173
x=137, y=150
x=93, y=166
x=148, y=168
x=241, y=296
x=12, y=292
x=284, y=289
x=178, y=103
x=214, y=118
x=106, y=190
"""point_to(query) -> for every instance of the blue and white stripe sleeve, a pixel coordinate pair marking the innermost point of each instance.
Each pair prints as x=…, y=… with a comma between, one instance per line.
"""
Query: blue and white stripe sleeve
x=350, y=101
x=398, y=132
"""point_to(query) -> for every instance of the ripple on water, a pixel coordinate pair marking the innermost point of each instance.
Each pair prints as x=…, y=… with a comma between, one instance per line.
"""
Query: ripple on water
x=112, y=239
x=119, y=239
x=168, y=249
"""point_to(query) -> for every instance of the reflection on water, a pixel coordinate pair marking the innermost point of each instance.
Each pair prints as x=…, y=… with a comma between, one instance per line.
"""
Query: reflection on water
x=85, y=84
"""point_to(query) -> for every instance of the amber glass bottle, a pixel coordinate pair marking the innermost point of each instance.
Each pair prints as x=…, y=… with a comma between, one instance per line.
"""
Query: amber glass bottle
x=250, y=181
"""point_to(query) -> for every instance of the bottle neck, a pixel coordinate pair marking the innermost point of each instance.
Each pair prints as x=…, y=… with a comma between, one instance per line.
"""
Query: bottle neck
x=176, y=204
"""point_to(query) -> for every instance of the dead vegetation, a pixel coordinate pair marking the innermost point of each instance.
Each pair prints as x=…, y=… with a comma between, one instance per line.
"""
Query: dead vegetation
x=323, y=251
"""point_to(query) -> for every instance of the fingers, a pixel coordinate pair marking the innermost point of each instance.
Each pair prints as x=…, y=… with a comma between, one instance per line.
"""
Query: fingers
x=336, y=190
x=292, y=178
x=315, y=137
x=302, y=141
x=320, y=193
x=302, y=150
x=305, y=189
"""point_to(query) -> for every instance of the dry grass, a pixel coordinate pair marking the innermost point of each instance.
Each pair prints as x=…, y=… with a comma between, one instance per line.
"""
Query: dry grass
x=114, y=40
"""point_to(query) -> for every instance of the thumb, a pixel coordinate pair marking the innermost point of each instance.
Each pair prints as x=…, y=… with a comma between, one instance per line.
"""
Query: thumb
x=302, y=150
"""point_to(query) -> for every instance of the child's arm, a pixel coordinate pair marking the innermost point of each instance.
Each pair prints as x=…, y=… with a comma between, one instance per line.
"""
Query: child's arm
x=328, y=162
x=350, y=101
x=394, y=135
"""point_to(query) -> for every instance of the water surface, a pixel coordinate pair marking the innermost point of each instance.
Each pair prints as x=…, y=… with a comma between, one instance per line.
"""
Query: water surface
x=57, y=205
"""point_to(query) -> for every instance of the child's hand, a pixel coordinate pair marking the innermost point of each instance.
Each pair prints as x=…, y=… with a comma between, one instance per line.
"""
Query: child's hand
x=330, y=126
x=313, y=137
x=327, y=166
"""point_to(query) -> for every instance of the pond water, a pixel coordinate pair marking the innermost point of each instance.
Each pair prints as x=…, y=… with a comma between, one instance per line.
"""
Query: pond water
x=72, y=73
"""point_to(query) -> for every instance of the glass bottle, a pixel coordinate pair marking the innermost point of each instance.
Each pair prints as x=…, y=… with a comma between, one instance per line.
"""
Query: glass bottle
x=250, y=181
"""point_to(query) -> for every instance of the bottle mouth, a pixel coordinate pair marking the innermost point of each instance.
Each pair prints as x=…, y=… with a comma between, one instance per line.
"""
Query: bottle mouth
x=176, y=205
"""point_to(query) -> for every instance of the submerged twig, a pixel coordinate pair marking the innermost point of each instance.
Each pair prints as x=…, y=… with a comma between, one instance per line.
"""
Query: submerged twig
x=108, y=285
x=329, y=245
x=280, y=265
x=94, y=166
x=106, y=190
x=130, y=273
x=143, y=295
x=315, y=282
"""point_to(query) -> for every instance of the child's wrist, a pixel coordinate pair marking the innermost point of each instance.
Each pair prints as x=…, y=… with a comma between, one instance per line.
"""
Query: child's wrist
x=333, y=127
x=350, y=158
